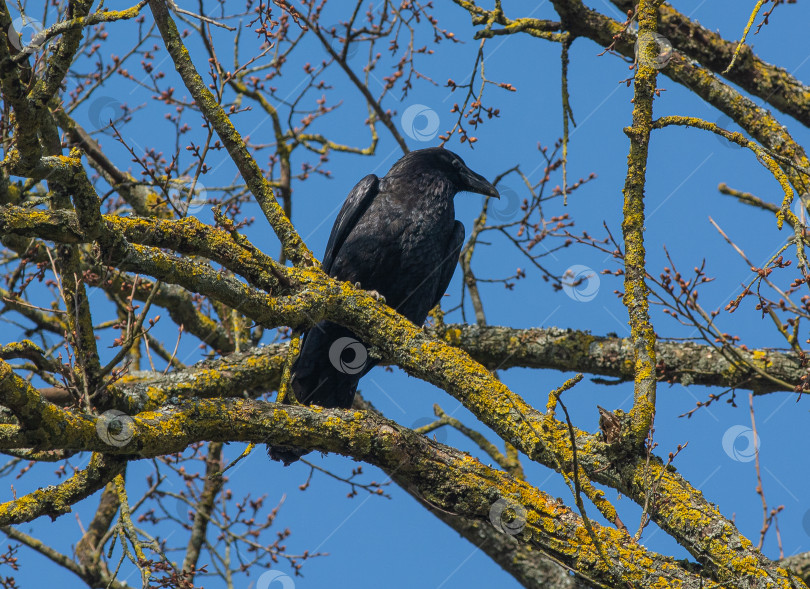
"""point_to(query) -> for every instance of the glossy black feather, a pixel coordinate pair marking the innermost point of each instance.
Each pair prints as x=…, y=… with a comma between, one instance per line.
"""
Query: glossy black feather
x=398, y=236
x=353, y=208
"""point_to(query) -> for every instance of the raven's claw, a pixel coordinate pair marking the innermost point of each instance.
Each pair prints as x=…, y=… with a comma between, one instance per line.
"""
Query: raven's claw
x=372, y=293
x=376, y=295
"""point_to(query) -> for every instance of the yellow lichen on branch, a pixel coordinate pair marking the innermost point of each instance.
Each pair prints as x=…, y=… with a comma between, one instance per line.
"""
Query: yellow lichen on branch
x=294, y=246
x=57, y=500
x=635, y=265
x=748, y=25
x=767, y=159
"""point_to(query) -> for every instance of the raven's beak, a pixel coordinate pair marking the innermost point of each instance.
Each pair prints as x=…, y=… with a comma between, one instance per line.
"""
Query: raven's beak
x=478, y=184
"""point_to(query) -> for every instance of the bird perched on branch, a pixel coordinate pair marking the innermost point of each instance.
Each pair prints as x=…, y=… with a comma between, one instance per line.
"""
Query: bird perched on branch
x=396, y=235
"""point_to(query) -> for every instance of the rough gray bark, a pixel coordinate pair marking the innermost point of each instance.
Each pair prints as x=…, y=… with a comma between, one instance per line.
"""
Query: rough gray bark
x=258, y=370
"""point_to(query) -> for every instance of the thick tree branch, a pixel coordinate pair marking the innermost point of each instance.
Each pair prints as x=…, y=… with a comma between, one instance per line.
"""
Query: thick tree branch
x=635, y=264
x=258, y=370
x=294, y=248
x=89, y=548
x=773, y=84
x=58, y=500
x=445, y=477
x=531, y=569
x=211, y=488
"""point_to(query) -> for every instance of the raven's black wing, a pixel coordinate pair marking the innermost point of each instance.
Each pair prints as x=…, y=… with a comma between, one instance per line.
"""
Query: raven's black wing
x=356, y=204
x=448, y=265
x=320, y=375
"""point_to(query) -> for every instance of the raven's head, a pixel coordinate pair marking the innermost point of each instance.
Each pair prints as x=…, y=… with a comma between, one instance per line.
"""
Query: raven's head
x=437, y=162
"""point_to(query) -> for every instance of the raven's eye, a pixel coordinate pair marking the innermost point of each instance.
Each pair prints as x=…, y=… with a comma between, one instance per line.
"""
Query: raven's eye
x=457, y=163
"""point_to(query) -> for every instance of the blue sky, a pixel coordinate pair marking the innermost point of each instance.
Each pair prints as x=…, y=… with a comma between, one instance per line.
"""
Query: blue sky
x=373, y=541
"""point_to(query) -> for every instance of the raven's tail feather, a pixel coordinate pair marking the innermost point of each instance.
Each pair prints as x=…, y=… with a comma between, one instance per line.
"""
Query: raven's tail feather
x=331, y=363
x=326, y=373
x=286, y=454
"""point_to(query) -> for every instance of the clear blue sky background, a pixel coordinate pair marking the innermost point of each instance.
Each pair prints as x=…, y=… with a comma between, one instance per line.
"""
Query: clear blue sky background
x=373, y=541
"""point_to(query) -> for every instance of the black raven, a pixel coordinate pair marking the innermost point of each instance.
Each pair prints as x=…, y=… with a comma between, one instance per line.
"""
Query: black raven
x=396, y=235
